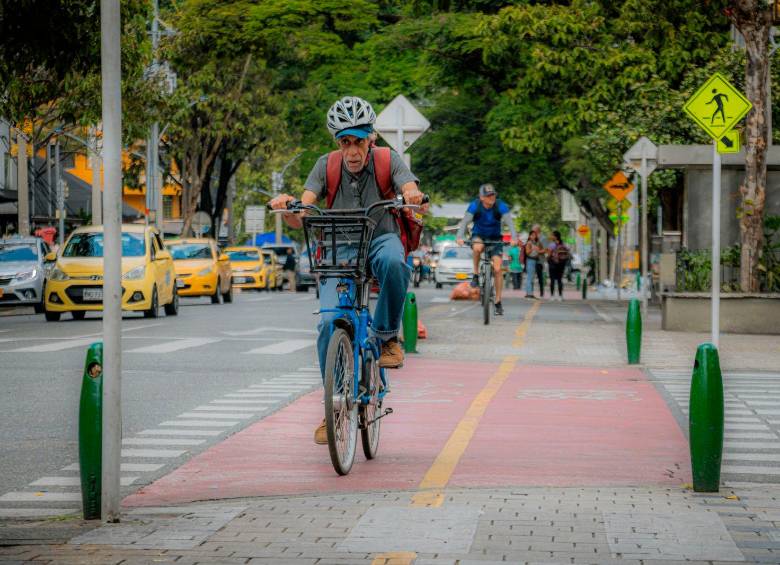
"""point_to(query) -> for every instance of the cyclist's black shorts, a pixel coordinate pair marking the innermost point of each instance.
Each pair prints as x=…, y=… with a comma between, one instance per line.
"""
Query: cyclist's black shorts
x=492, y=249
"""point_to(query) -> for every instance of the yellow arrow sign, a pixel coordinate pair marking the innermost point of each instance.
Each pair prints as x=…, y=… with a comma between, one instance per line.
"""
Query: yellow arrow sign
x=729, y=143
x=717, y=106
x=612, y=204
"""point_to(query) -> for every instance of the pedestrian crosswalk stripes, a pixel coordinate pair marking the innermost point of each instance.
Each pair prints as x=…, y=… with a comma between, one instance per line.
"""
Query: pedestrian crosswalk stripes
x=269, y=344
x=751, y=425
x=169, y=441
x=177, y=345
x=282, y=348
x=206, y=433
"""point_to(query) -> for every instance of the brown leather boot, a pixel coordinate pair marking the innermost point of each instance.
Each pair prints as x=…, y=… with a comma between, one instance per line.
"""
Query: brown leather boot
x=392, y=356
x=321, y=434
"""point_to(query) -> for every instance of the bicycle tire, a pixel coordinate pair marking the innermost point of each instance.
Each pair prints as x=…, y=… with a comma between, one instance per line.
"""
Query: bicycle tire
x=372, y=383
x=488, y=290
x=340, y=405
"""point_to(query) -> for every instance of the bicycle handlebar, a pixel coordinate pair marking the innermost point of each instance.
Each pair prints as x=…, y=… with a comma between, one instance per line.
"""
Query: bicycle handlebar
x=397, y=203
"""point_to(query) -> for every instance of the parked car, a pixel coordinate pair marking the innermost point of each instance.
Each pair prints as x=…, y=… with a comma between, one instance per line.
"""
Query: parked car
x=454, y=266
x=280, y=251
x=253, y=268
x=23, y=271
x=202, y=269
x=75, y=282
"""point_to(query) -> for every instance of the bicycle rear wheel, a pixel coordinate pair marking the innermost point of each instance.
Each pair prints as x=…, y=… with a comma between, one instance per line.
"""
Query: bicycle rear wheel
x=487, y=297
x=340, y=405
x=372, y=384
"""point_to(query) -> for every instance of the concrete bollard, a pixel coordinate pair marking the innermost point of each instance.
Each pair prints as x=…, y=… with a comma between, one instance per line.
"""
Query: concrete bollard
x=410, y=323
x=90, y=432
x=705, y=422
x=634, y=331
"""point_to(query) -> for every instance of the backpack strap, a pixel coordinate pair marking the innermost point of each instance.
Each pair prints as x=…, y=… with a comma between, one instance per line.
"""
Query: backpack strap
x=382, y=171
x=333, y=176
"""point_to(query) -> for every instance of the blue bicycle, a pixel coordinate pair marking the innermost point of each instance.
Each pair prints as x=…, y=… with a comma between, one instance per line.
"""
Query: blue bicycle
x=355, y=386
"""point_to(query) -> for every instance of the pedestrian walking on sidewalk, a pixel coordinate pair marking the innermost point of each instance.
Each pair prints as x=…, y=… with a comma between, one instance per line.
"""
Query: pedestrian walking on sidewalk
x=533, y=252
x=515, y=266
x=539, y=271
x=558, y=255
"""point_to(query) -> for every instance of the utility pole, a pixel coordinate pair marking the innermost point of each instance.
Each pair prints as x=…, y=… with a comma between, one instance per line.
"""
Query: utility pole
x=111, y=74
x=48, y=180
x=153, y=189
x=96, y=165
x=22, y=185
x=60, y=194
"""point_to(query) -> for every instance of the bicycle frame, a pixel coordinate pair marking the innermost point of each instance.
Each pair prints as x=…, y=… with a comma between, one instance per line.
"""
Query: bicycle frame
x=359, y=318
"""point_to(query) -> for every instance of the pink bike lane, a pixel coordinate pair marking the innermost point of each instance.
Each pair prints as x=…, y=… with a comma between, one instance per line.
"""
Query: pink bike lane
x=556, y=426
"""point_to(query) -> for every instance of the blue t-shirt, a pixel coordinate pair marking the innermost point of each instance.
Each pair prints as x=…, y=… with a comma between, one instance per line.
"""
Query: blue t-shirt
x=486, y=224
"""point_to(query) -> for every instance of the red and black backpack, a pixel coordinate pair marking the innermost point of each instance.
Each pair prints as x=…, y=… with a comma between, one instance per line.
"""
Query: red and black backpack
x=409, y=224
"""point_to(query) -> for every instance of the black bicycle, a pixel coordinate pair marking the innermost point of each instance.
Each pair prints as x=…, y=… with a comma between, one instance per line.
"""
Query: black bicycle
x=487, y=286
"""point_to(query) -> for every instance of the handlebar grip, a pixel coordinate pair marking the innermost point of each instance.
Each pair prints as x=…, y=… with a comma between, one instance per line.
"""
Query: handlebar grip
x=426, y=199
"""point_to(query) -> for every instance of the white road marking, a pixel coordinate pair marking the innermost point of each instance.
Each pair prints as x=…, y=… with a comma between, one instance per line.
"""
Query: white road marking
x=745, y=469
x=748, y=435
x=239, y=401
x=161, y=441
x=154, y=453
x=266, y=329
x=210, y=416
x=132, y=467
x=254, y=391
x=41, y=497
x=228, y=408
x=176, y=345
x=196, y=423
x=56, y=346
x=282, y=348
x=74, y=481
x=36, y=512
x=751, y=444
x=462, y=310
x=209, y=433
x=769, y=457
x=261, y=299
x=440, y=299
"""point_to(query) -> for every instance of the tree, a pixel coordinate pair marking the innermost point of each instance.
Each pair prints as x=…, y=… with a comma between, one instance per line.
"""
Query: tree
x=753, y=19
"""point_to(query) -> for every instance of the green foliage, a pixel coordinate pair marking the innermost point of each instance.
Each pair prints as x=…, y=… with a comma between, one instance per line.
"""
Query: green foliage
x=694, y=270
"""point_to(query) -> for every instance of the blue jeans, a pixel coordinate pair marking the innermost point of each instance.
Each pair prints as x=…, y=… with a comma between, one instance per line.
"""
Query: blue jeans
x=386, y=257
x=530, y=269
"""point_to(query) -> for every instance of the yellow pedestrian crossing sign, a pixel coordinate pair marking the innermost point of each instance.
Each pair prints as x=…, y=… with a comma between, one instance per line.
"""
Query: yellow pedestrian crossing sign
x=717, y=107
x=729, y=143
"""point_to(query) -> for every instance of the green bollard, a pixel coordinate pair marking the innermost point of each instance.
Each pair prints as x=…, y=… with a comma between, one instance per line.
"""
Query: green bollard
x=639, y=281
x=634, y=331
x=579, y=280
x=705, y=422
x=90, y=431
x=410, y=323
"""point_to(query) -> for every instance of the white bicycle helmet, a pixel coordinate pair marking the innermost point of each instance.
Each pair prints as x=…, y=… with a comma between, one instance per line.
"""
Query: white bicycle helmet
x=350, y=112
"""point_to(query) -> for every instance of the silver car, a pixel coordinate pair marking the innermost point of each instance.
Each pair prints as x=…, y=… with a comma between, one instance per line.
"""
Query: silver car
x=22, y=271
x=455, y=266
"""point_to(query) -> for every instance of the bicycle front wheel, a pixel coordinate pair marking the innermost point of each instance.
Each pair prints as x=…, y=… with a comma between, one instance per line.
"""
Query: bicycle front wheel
x=340, y=405
x=369, y=413
x=487, y=297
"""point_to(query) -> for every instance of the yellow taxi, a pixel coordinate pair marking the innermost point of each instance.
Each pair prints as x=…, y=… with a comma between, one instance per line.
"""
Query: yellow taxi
x=75, y=281
x=254, y=268
x=201, y=269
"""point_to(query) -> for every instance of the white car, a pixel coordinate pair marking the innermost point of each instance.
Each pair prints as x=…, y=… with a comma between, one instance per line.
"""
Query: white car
x=455, y=266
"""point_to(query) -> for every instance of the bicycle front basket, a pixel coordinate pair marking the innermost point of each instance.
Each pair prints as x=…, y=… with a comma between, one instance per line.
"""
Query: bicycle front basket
x=339, y=243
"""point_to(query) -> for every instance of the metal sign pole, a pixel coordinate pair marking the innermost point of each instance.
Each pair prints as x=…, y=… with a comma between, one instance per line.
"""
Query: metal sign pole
x=619, y=250
x=715, y=244
x=112, y=257
x=644, y=237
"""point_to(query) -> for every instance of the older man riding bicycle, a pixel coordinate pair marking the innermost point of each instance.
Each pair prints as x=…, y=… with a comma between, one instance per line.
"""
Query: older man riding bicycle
x=488, y=213
x=354, y=177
